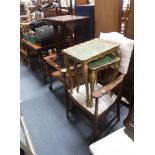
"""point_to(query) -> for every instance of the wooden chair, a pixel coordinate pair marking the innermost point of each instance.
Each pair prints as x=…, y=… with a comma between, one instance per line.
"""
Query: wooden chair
x=57, y=71
x=120, y=140
x=104, y=97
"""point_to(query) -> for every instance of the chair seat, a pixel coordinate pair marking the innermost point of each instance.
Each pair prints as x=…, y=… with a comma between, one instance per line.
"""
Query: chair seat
x=117, y=142
x=104, y=102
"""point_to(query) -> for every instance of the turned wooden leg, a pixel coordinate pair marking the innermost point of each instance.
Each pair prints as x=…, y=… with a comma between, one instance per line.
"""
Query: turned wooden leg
x=96, y=120
x=66, y=96
x=85, y=77
x=51, y=83
x=77, y=77
x=95, y=129
x=92, y=83
x=67, y=105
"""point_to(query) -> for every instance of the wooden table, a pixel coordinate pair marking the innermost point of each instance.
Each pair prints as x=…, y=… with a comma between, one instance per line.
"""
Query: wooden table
x=87, y=52
x=42, y=52
x=69, y=22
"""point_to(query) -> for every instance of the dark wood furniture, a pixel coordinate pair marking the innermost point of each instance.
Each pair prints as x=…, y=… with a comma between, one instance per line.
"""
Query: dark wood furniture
x=69, y=22
x=54, y=68
x=30, y=50
x=108, y=15
x=102, y=103
x=57, y=71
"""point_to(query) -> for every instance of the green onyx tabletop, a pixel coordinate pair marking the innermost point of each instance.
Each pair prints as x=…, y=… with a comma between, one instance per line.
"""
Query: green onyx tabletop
x=90, y=49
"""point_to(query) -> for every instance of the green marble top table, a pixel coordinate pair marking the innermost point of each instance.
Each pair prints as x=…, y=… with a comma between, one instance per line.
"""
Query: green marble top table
x=90, y=49
x=87, y=52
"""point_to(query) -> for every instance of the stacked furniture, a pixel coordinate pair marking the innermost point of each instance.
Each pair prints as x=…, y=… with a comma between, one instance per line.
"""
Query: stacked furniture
x=104, y=97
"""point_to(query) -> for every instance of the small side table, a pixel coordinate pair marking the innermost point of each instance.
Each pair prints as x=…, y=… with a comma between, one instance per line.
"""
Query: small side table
x=87, y=52
x=69, y=22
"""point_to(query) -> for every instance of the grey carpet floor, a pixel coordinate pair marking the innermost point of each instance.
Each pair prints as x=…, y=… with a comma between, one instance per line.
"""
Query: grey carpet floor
x=45, y=115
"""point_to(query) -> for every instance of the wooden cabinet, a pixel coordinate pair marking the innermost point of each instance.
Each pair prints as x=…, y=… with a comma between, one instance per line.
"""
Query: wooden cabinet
x=130, y=24
x=107, y=16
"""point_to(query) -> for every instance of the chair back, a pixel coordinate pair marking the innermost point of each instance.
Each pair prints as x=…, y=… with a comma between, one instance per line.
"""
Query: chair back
x=126, y=47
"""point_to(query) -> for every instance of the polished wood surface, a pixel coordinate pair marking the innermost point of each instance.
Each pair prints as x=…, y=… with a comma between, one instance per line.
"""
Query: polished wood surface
x=108, y=87
x=107, y=16
x=69, y=22
x=34, y=46
x=64, y=19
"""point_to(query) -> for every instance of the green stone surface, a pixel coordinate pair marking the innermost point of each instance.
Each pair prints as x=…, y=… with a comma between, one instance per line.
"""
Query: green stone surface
x=101, y=62
x=89, y=49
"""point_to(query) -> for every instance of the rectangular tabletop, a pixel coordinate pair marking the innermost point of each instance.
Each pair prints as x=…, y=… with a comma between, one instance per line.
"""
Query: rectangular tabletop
x=87, y=50
x=65, y=19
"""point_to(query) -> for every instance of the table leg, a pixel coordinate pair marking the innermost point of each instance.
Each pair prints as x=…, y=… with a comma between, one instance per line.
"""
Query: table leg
x=66, y=62
x=71, y=26
x=77, y=76
x=85, y=77
x=92, y=83
x=42, y=67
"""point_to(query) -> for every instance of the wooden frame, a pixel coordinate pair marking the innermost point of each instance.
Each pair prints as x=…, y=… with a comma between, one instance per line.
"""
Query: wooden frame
x=96, y=118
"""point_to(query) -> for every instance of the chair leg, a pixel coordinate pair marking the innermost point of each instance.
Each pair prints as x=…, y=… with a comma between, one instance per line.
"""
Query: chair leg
x=95, y=129
x=51, y=83
x=67, y=103
x=118, y=111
